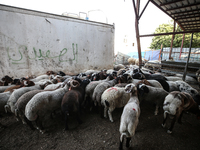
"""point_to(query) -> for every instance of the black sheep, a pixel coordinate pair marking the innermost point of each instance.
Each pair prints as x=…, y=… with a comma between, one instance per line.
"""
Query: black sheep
x=72, y=100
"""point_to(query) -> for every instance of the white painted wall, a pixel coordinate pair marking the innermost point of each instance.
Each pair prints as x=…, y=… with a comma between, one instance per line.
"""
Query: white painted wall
x=32, y=43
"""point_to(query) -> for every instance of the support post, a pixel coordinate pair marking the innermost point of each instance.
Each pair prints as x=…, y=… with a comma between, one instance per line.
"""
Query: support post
x=136, y=8
x=186, y=66
x=170, y=52
x=181, y=46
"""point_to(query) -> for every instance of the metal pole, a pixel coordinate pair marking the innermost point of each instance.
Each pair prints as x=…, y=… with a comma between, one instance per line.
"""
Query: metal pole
x=181, y=46
x=186, y=66
x=170, y=52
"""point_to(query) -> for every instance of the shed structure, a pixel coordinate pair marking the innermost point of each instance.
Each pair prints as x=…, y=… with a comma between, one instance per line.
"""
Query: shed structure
x=186, y=13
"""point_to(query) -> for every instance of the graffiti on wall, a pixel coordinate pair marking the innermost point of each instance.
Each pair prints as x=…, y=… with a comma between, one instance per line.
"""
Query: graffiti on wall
x=63, y=56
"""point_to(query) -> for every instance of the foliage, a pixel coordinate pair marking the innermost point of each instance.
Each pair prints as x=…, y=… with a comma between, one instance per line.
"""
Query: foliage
x=165, y=40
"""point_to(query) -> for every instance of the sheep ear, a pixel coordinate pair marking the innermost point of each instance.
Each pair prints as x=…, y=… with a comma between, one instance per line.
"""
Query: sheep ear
x=128, y=88
x=146, y=89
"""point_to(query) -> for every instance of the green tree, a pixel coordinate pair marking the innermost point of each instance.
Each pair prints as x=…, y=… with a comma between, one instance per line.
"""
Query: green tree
x=165, y=40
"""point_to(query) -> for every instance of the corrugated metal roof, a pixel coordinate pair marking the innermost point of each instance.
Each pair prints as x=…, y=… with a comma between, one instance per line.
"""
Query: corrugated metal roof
x=185, y=12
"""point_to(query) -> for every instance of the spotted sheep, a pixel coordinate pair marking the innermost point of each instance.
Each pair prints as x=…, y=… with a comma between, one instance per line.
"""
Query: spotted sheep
x=175, y=104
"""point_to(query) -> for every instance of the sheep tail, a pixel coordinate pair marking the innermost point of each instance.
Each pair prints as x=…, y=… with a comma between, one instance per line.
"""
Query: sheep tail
x=107, y=103
x=122, y=136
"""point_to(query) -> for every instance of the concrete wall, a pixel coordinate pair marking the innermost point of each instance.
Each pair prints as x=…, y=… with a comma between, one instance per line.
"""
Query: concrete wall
x=32, y=43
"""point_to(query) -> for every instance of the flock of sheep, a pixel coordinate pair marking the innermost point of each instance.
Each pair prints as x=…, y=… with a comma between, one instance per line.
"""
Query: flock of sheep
x=35, y=100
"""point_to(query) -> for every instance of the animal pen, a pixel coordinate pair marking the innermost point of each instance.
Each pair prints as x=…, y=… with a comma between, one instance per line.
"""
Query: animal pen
x=186, y=15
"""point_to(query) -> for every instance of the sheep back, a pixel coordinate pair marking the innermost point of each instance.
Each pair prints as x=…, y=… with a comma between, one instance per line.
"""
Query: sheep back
x=115, y=96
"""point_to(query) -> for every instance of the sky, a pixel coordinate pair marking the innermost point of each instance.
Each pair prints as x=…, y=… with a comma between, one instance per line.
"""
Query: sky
x=118, y=12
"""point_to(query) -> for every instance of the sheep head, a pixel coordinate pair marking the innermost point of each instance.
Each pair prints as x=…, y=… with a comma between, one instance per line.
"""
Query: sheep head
x=130, y=88
x=74, y=83
x=142, y=88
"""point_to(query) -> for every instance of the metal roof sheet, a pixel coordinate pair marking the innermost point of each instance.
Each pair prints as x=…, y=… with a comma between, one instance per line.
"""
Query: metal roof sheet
x=185, y=12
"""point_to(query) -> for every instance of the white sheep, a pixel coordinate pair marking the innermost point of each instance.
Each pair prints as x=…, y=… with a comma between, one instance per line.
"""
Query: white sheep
x=152, y=94
x=90, y=89
x=10, y=106
x=21, y=104
x=3, y=88
x=53, y=86
x=3, y=100
x=43, y=104
x=113, y=97
x=100, y=88
x=172, y=86
x=130, y=116
x=41, y=77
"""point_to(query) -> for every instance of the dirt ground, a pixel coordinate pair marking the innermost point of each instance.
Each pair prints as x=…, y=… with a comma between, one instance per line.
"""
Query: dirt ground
x=96, y=133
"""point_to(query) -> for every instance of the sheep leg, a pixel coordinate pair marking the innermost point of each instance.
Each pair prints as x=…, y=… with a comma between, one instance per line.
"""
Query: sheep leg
x=29, y=123
x=110, y=115
x=39, y=124
x=179, y=118
x=128, y=139
x=79, y=116
x=66, y=121
x=172, y=125
x=101, y=111
x=156, y=111
x=121, y=143
x=105, y=111
x=165, y=118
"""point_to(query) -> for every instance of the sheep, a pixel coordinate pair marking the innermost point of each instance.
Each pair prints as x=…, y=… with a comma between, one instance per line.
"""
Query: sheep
x=90, y=89
x=131, y=61
x=118, y=67
x=72, y=100
x=7, y=80
x=185, y=87
x=173, y=78
x=53, y=86
x=25, y=83
x=43, y=104
x=152, y=94
x=3, y=88
x=141, y=76
x=130, y=116
x=172, y=86
x=113, y=97
x=175, y=104
x=100, y=88
x=15, y=95
x=3, y=100
x=21, y=104
x=41, y=77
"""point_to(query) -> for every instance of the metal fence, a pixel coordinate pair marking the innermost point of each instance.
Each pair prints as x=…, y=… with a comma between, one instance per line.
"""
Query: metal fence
x=194, y=55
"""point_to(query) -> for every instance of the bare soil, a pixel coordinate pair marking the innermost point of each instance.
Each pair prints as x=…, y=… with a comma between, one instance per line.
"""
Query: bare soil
x=96, y=133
